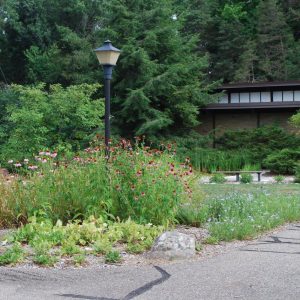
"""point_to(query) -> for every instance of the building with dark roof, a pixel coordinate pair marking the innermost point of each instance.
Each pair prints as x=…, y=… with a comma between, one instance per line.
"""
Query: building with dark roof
x=251, y=105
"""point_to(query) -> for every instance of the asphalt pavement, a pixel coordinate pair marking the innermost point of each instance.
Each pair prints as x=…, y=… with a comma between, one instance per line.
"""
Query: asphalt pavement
x=268, y=268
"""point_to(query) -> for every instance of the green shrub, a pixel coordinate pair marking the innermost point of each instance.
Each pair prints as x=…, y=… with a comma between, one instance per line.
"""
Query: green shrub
x=279, y=178
x=284, y=161
x=297, y=173
x=246, y=178
x=40, y=117
x=258, y=142
x=113, y=257
x=13, y=255
x=217, y=178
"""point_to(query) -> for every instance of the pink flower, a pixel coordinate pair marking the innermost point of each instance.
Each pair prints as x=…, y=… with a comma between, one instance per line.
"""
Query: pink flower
x=53, y=155
x=42, y=153
x=17, y=165
x=32, y=167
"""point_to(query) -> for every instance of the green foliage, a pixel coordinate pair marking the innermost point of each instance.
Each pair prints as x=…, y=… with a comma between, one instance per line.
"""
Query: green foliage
x=79, y=260
x=211, y=160
x=284, y=161
x=258, y=142
x=45, y=260
x=146, y=185
x=13, y=255
x=246, y=211
x=49, y=241
x=279, y=178
x=39, y=118
x=102, y=246
x=295, y=119
x=217, y=178
x=113, y=257
x=211, y=240
x=297, y=173
x=246, y=178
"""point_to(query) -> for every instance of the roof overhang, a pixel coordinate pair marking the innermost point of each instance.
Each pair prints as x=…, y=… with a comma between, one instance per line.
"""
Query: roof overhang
x=261, y=105
x=261, y=85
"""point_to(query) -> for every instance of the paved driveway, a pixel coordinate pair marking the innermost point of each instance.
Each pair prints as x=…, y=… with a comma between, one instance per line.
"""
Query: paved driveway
x=264, y=269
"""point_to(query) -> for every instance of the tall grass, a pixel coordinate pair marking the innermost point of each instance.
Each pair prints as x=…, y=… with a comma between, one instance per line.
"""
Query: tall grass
x=211, y=160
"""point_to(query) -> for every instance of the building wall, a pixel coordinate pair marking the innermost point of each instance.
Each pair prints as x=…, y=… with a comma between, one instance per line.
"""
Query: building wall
x=246, y=119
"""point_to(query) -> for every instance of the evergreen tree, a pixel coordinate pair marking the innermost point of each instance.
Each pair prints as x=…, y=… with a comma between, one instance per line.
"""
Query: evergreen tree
x=273, y=40
x=50, y=40
x=158, y=82
x=246, y=67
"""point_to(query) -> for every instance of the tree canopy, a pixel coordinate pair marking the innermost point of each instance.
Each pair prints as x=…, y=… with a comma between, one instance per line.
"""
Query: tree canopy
x=173, y=51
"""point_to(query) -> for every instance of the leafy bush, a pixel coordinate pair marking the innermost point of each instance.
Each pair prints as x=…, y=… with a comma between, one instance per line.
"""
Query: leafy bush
x=258, y=142
x=246, y=178
x=217, y=178
x=113, y=257
x=297, y=173
x=284, y=161
x=13, y=255
x=34, y=118
x=279, y=178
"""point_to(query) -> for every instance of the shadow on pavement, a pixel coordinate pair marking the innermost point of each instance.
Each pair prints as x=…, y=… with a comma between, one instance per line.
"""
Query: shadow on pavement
x=164, y=276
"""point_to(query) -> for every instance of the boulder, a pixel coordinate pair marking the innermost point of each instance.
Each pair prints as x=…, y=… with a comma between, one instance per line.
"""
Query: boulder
x=173, y=245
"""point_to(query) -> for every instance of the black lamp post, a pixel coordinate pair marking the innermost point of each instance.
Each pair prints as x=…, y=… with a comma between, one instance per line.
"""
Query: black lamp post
x=108, y=56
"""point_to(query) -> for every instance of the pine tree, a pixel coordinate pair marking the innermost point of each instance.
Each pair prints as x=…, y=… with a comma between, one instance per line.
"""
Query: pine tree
x=246, y=67
x=158, y=81
x=273, y=40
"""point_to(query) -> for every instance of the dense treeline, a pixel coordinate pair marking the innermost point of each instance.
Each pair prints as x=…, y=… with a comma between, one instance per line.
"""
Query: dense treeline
x=174, y=51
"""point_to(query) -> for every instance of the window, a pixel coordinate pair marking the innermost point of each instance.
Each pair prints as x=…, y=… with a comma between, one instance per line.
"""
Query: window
x=244, y=97
x=265, y=97
x=235, y=98
x=288, y=96
x=297, y=95
x=277, y=96
x=255, y=97
x=223, y=99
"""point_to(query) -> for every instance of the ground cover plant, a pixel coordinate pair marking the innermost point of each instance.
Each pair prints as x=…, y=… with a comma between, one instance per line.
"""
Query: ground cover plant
x=242, y=212
x=46, y=242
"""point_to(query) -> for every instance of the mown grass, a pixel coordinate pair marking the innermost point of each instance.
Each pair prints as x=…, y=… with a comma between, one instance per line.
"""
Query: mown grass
x=242, y=212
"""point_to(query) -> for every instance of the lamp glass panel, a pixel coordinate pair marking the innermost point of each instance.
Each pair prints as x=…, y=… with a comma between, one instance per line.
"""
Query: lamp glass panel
x=235, y=98
x=288, y=96
x=255, y=97
x=265, y=97
x=107, y=57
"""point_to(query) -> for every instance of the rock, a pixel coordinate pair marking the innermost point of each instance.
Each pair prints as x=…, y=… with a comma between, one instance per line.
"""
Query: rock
x=173, y=245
